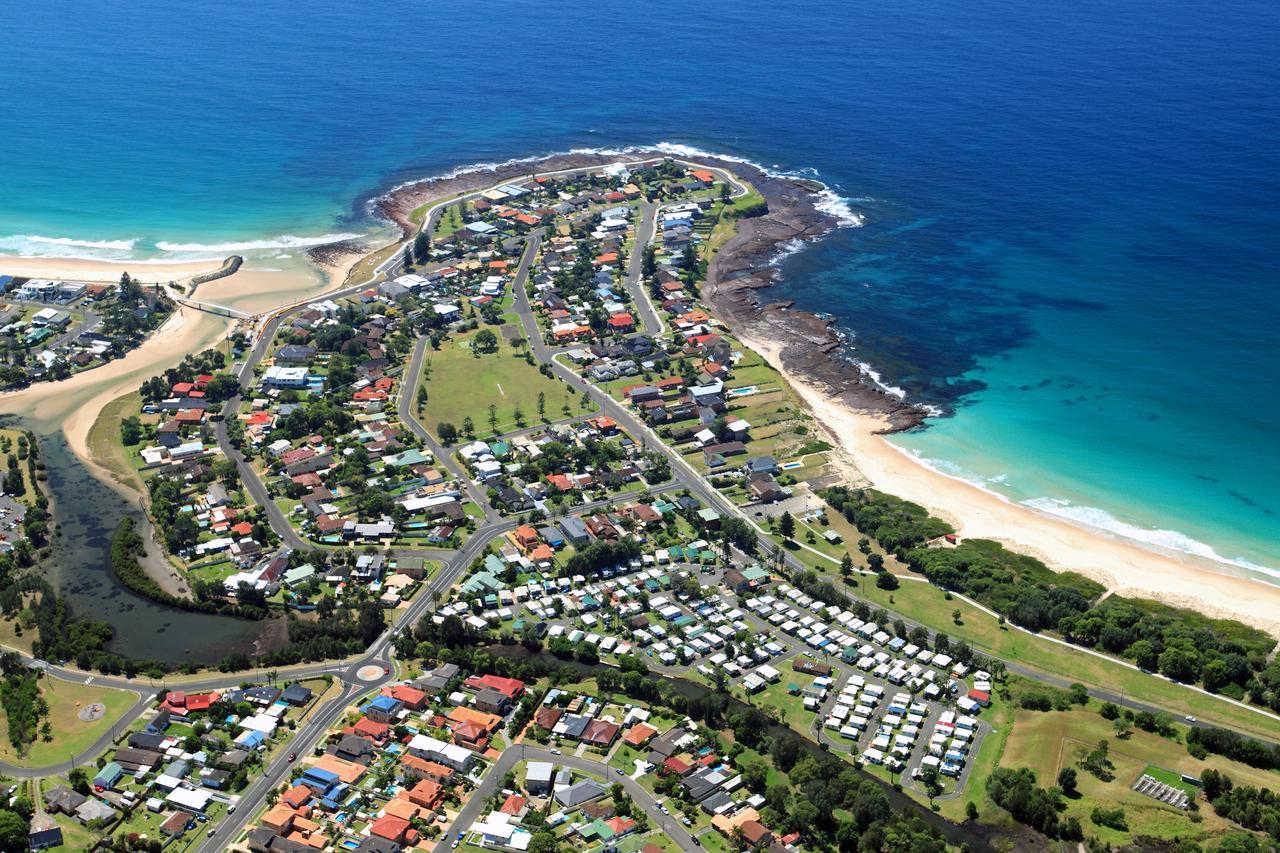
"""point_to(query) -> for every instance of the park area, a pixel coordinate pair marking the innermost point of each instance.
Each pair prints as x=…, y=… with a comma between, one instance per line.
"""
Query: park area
x=1047, y=742
x=462, y=383
x=70, y=703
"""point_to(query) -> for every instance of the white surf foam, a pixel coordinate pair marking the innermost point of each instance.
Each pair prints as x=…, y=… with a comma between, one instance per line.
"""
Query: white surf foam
x=1169, y=540
x=37, y=245
x=872, y=374
x=284, y=241
x=830, y=202
x=786, y=250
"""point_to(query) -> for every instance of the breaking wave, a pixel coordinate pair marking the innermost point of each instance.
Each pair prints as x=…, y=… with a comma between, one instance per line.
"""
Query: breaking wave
x=1169, y=540
x=36, y=245
x=284, y=241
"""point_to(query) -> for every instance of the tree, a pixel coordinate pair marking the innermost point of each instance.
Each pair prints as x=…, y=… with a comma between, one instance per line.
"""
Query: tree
x=448, y=432
x=408, y=258
x=1067, y=781
x=932, y=785
x=846, y=567
x=13, y=831
x=422, y=247
x=971, y=810
x=1123, y=727
x=787, y=525
x=493, y=417
x=886, y=580
x=485, y=341
x=468, y=427
x=79, y=780
x=542, y=405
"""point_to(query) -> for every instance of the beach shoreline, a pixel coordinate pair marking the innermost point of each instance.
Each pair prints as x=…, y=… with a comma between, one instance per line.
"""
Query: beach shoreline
x=855, y=410
x=861, y=415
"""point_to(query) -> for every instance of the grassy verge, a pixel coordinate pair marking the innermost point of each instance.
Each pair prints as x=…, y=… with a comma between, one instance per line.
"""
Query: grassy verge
x=929, y=605
x=104, y=439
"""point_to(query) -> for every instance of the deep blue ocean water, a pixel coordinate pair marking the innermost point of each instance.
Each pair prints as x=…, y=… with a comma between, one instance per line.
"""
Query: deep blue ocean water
x=1071, y=208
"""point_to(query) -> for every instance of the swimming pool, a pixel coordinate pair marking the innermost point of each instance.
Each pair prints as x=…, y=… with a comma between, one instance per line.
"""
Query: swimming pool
x=787, y=466
x=743, y=392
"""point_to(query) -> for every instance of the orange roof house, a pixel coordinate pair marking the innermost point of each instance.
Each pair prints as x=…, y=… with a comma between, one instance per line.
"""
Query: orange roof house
x=421, y=768
x=426, y=793
x=347, y=771
x=391, y=828
x=296, y=796
x=412, y=697
x=371, y=729
x=488, y=722
x=401, y=806
x=279, y=820
x=512, y=688
x=639, y=734
x=704, y=176
x=526, y=536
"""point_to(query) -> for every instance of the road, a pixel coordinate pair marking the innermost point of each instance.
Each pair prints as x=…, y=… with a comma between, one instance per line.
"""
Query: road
x=454, y=563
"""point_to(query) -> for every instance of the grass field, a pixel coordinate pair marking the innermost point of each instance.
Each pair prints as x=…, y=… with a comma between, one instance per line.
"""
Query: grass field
x=9, y=636
x=1047, y=741
x=70, y=735
x=459, y=385
x=104, y=439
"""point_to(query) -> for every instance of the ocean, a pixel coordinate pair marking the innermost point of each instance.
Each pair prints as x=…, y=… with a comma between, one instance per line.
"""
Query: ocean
x=1068, y=210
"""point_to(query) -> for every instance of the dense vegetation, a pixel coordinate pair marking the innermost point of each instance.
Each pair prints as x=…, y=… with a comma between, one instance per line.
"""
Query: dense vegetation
x=1016, y=792
x=1252, y=808
x=127, y=549
x=1237, y=747
x=24, y=707
x=1225, y=656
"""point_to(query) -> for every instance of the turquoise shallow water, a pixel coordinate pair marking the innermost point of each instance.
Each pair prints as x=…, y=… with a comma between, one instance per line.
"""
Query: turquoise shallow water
x=1070, y=208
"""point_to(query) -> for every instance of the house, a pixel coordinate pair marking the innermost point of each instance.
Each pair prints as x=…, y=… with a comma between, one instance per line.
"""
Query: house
x=392, y=828
x=285, y=377
x=354, y=747
x=382, y=709
x=108, y=775
x=43, y=832
x=755, y=834
x=600, y=733
x=578, y=793
x=512, y=688
x=63, y=800
x=538, y=778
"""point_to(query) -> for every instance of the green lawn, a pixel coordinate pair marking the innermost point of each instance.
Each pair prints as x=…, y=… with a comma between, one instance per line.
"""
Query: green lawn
x=460, y=385
x=105, y=444
x=70, y=735
x=1048, y=741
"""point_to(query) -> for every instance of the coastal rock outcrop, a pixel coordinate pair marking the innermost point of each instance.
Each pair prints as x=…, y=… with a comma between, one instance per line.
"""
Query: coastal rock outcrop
x=738, y=275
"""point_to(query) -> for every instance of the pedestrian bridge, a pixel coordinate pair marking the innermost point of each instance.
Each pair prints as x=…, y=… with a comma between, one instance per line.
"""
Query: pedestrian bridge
x=214, y=308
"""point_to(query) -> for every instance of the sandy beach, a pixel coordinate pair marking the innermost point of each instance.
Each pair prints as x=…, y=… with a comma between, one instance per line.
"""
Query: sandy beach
x=82, y=269
x=74, y=404
x=1123, y=567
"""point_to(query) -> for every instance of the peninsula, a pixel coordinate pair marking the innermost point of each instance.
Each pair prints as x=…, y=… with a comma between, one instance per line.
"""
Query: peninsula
x=552, y=531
